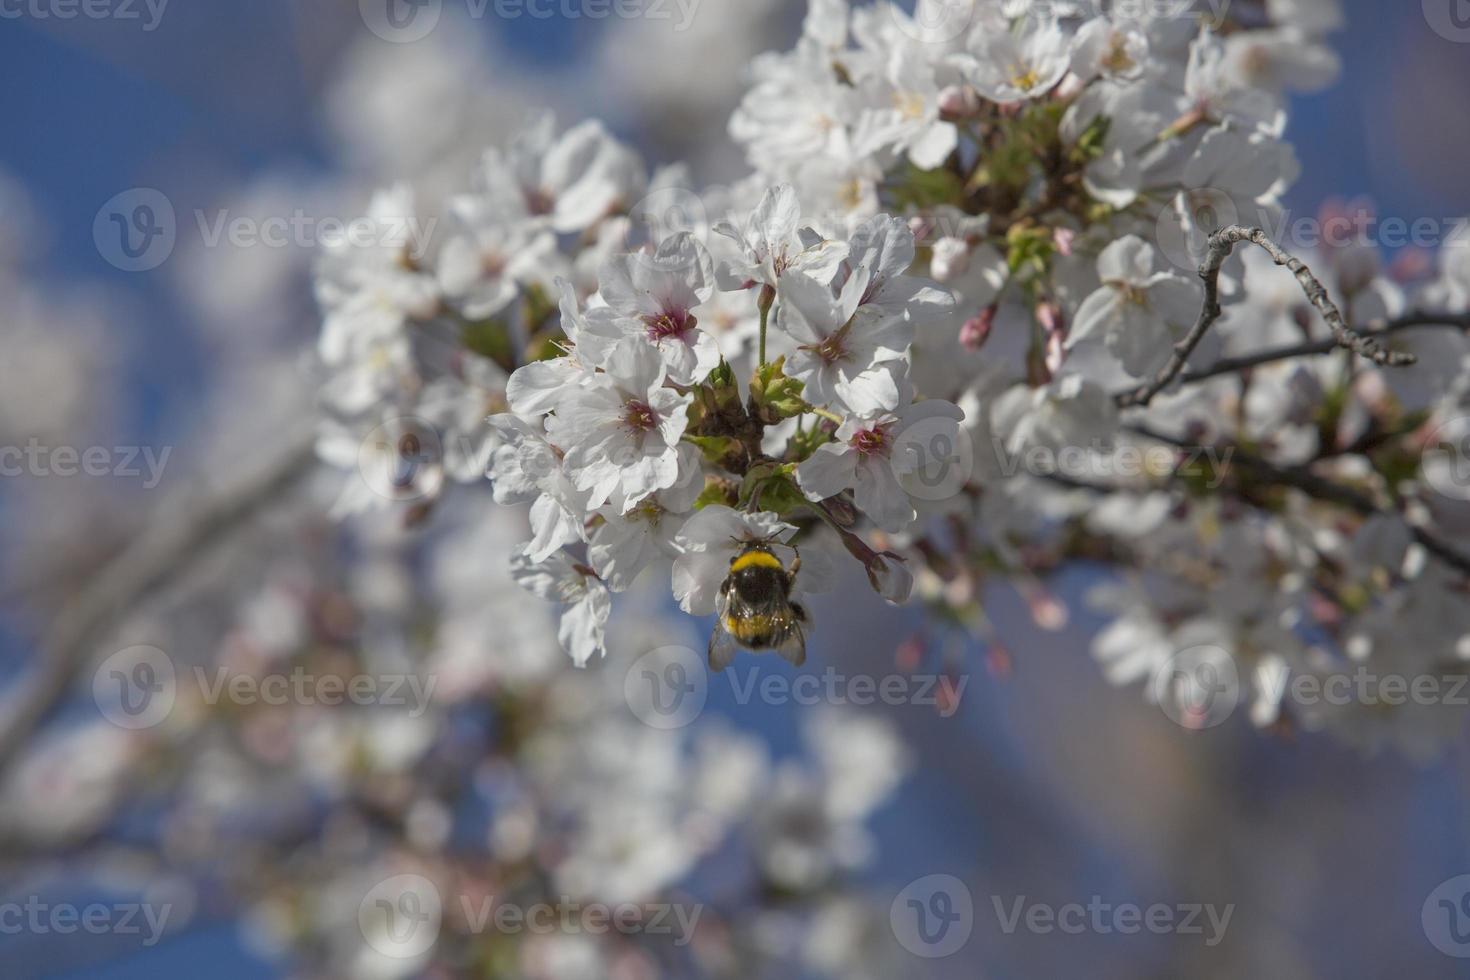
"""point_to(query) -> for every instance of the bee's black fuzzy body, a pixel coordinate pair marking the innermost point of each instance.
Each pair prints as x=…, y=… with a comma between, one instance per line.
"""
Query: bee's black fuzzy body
x=756, y=611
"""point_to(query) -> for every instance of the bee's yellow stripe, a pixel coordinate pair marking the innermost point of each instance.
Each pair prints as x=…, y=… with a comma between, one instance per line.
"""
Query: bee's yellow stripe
x=763, y=559
x=748, y=628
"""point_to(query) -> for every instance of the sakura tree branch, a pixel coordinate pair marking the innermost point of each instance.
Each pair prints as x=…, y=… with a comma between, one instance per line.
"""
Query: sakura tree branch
x=1287, y=352
x=1222, y=243
x=167, y=547
x=1312, y=485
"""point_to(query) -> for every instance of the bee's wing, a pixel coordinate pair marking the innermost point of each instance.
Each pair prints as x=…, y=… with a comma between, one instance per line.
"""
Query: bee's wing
x=792, y=646
x=722, y=645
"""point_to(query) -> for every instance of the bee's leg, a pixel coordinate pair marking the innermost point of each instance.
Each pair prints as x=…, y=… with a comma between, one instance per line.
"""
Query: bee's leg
x=795, y=563
x=800, y=611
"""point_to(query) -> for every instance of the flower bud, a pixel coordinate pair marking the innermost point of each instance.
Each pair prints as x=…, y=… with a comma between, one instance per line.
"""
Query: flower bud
x=959, y=102
x=1062, y=239
x=976, y=330
x=951, y=259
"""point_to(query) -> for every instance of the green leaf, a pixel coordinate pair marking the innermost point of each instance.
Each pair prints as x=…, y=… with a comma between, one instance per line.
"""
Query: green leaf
x=924, y=189
x=775, y=396
x=489, y=338
x=716, y=491
x=717, y=450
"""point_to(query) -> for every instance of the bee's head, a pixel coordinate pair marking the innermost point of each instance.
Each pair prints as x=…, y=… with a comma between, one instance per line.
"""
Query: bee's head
x=752, y=546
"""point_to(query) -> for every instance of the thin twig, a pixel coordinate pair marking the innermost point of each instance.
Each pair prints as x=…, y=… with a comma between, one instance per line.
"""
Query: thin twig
x=1319, y=488
x=1234, y=365
x=165, y=548
x=1222, y=243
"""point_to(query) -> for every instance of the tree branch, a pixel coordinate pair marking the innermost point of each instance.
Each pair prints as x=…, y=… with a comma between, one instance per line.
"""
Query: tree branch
x=1233, y=365
x=1317, y=487
x=166, y=547
x=1222, y=243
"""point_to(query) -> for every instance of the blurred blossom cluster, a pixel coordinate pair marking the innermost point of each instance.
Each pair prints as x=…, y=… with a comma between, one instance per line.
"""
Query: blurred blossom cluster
x=514, y=783
x=955, y=296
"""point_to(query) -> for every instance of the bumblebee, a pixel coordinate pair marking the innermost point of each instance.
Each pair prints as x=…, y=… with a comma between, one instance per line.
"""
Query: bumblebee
x=755, y=610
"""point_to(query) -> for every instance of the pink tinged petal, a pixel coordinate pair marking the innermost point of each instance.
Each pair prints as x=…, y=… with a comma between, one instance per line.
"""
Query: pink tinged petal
x=584, y=625
x=807, y=311
x=712, y=527
x=777, y=215
x=534, y=389
x=615, y=283
x=885, y=244
x=673, y=413
x=855, y=290
x=635, y=367
x=827, y=472
x=820, y=260
x=873, y=391
x=1098, y=312
x=1140, y=340
x=552, y=528
x=1130, y=259
x=878, y=495
x=619, y=550
x=543, y=579
x=934, y=145
x=1176, y=299
x=891, y=579
x=697, y=576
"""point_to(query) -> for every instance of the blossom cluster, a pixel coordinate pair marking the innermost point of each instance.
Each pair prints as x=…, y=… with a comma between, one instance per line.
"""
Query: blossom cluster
x=971, y=233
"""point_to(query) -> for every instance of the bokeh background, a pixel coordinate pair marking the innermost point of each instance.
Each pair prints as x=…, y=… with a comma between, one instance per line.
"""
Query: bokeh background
x=1046, y=782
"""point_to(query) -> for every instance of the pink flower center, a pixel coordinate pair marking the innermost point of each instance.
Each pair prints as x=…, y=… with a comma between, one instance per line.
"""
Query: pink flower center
x=871, y=442
x=833, y=348
x=639, y=416
x=670, y=323
x=539, y=201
